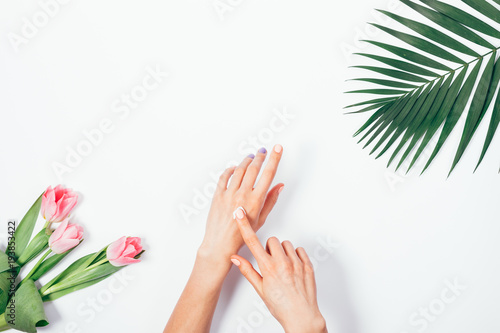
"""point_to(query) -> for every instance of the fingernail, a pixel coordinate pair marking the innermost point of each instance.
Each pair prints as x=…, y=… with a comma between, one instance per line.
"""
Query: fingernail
x=251, y=156
x=262, y=150
x=236, y=262
x=278, y=148
x=281, y=189
x=239, y=213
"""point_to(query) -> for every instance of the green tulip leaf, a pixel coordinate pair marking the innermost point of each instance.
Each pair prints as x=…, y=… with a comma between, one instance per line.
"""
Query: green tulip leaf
x=25, y=310
x=37, y=245
x=83, y=277
x=80, y=279
x=7, y=285
x=57, y=294
x=6, y=264
x=49, y=263
x=25, y=228
x=68, y=271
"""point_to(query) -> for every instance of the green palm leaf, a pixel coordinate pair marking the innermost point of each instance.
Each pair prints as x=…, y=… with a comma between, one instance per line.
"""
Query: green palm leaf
x=421, y=91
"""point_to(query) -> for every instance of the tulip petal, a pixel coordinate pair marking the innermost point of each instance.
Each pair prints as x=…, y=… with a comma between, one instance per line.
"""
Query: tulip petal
x=64, y=245
x=59, y=191
x=65, y=205
x=49, y=206
x=80, y=231
x=116, y=248
x=135, y=241
x=58, y=216
x=71, y=231
x=57, y=234
x=129, y=251
x=122, y=261
x=58, y=203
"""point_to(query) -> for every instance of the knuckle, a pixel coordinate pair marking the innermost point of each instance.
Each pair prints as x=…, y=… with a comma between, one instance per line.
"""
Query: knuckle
x=224, y=175
x=308, y=268
x=221, y=184
x=274, y=199
x=275, y=158
x=239, y=170
x=253, y=167
x=299, y=267
x=252, y=242
x=245, y=271
x=267, y=173
x=299, y=274
x=302, y=253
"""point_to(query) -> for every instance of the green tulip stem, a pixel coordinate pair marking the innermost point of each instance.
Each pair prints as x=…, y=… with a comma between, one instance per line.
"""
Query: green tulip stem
x=49, y=288
x=33, y=270
x=47, y=228
x=97, y=263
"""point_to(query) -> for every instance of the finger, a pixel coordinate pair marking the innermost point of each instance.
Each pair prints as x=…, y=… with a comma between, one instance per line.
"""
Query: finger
x=274, y=248
x=290, y=251
x=248, y=272
x=224, y=178
x=270, y=170
x=248, y=235
x=309, y=279
x=298, y=267
x=271, y=199
x=302, y=254
x=239, y=172
x=254, y=169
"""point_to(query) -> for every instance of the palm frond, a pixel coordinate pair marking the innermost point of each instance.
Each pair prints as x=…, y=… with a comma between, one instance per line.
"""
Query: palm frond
x=444, y=68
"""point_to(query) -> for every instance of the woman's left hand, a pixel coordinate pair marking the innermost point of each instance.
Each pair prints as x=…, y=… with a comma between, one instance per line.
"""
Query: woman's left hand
x=238, y=187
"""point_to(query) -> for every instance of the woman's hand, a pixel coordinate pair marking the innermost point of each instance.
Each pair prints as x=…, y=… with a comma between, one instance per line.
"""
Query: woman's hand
x=287, y=285
x=237, y=187
x=195, y=309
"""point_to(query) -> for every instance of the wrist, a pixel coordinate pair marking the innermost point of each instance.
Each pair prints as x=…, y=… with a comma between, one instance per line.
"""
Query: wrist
x=220, y=264
x=315, y=325
x=216, y=255
x=208, y=275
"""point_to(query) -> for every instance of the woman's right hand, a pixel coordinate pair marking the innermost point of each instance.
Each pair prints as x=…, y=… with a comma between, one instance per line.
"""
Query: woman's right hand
x=287, y=285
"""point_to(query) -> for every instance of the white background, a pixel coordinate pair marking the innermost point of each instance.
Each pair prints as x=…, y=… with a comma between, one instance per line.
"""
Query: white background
x=396, y=238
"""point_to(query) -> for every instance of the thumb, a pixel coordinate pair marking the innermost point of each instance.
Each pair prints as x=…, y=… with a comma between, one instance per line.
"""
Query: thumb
x=271, y=199
x=248, y=272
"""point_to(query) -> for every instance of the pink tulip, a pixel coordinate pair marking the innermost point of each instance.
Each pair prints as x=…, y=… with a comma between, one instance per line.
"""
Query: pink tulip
x=57, y=203
x=122, y=251
x=65, y=237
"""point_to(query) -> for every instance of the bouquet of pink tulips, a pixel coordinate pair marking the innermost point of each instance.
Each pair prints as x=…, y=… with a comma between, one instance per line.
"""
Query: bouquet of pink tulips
x=21, y=302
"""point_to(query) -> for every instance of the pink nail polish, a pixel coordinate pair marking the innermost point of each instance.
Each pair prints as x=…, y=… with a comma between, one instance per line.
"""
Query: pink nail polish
x=236, y=262
x=278, y=148
x=281, y=189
